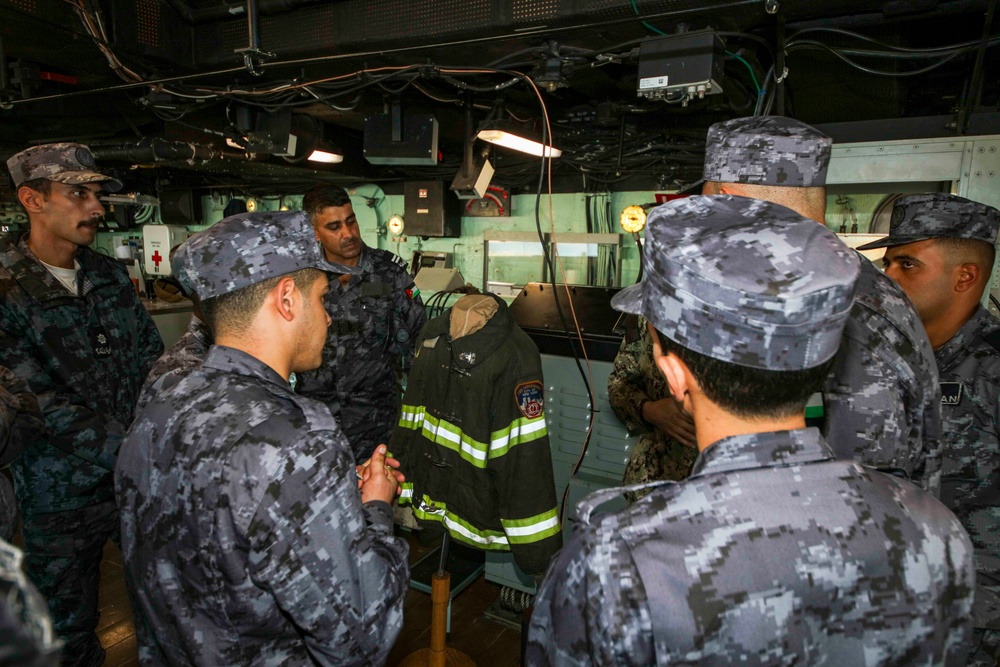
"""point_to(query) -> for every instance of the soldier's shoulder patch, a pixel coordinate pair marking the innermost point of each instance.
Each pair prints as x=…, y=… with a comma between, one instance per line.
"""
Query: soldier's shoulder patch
x=530, y=399
x=413, y=291
x=399, y=261
x=951, y=393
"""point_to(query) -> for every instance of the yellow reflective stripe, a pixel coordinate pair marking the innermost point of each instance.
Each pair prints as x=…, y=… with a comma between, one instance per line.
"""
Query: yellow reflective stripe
x=532, y=529
x=444, y=433
x=520, y=431
x=431, y=510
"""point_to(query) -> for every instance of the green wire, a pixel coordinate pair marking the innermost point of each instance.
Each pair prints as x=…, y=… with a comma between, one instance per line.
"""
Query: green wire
x=647, y=25
x=750, y=69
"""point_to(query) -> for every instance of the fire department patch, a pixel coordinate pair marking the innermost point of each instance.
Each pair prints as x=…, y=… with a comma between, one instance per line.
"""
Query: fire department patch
x=529, y=399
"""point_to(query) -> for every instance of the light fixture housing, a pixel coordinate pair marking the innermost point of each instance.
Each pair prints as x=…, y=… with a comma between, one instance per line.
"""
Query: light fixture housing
x=476, y=172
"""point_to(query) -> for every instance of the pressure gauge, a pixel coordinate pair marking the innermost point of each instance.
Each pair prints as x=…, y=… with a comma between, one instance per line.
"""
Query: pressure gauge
x=395, y=224
x=633, y=219
x=251, y=204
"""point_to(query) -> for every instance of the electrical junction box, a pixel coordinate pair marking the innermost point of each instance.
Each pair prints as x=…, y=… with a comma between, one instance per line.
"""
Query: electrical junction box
x=157, y=241
x=690, y=63
x=430, y=209
x=401, y=139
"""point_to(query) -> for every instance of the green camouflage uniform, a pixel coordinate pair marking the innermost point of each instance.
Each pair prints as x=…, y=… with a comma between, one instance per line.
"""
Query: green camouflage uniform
x=634, y=380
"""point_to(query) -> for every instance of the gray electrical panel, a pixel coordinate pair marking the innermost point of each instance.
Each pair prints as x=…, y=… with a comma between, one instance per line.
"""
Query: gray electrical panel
x=431, y=209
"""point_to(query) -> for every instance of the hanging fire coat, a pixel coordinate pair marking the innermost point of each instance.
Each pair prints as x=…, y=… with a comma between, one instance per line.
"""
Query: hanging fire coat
x=473, y=442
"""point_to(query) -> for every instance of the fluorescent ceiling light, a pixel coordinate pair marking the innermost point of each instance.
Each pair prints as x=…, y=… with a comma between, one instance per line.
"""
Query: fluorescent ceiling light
x=518, y=143
x=325, y=156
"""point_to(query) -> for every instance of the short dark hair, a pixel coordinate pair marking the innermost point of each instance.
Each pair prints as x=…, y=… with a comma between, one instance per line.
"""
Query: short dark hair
x=234, y=312
x=750, y=393
x=42, y=185
x=963, y=251
x=323, y=196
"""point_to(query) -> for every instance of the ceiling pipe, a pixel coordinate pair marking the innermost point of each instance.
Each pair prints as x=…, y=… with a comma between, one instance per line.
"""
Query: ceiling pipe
x=160, y=150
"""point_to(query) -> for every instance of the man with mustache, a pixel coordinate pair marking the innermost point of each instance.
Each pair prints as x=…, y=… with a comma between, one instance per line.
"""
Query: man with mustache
x=376, y=316
x=73, y=328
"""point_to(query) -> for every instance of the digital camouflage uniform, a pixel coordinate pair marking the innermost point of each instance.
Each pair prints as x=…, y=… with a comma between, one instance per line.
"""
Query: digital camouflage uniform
x=26, y=635
x=376, y=317
x=881, y=399
x=84, y=356
x=771, y=552
x=969, y=368
x=875, y=572
x=230, y=463
x=244, y=535
x=882, y=396
x=634, y=380
x=473, y=441
x=187, y=353
x=969, y=364
x=20, y=425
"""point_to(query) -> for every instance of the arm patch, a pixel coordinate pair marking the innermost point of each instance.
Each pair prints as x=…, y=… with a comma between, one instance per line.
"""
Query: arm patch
x=530, y=399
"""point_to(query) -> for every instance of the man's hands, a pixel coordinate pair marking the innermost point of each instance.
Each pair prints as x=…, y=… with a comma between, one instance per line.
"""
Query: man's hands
x=667, y=416
x=379, y=477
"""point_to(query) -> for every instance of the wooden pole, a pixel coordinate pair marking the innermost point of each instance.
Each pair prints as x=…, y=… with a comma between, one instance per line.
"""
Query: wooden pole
x=440, y=590
x=439, y=655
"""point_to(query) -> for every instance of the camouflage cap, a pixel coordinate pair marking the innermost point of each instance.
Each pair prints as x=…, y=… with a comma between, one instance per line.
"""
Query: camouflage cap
x=744, y=281
x=766, y=150
x=67, y=163
x=931, y=216
x=248, y=248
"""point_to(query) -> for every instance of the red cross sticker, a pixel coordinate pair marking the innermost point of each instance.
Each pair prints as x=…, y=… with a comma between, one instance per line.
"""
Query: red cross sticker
x=157, y=258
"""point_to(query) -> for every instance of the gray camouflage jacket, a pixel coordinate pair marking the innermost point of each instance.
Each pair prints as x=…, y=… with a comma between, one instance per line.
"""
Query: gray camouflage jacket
x=771, y=552
x=969, y=364
x=187, y=353
x=882, y=398
x=26, y=635
x=84, y=357
x=244, y=535
x=376, y=319
x=20, y=425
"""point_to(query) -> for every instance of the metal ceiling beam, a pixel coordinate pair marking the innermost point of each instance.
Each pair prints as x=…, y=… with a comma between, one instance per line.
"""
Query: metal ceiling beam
x=227, y=10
